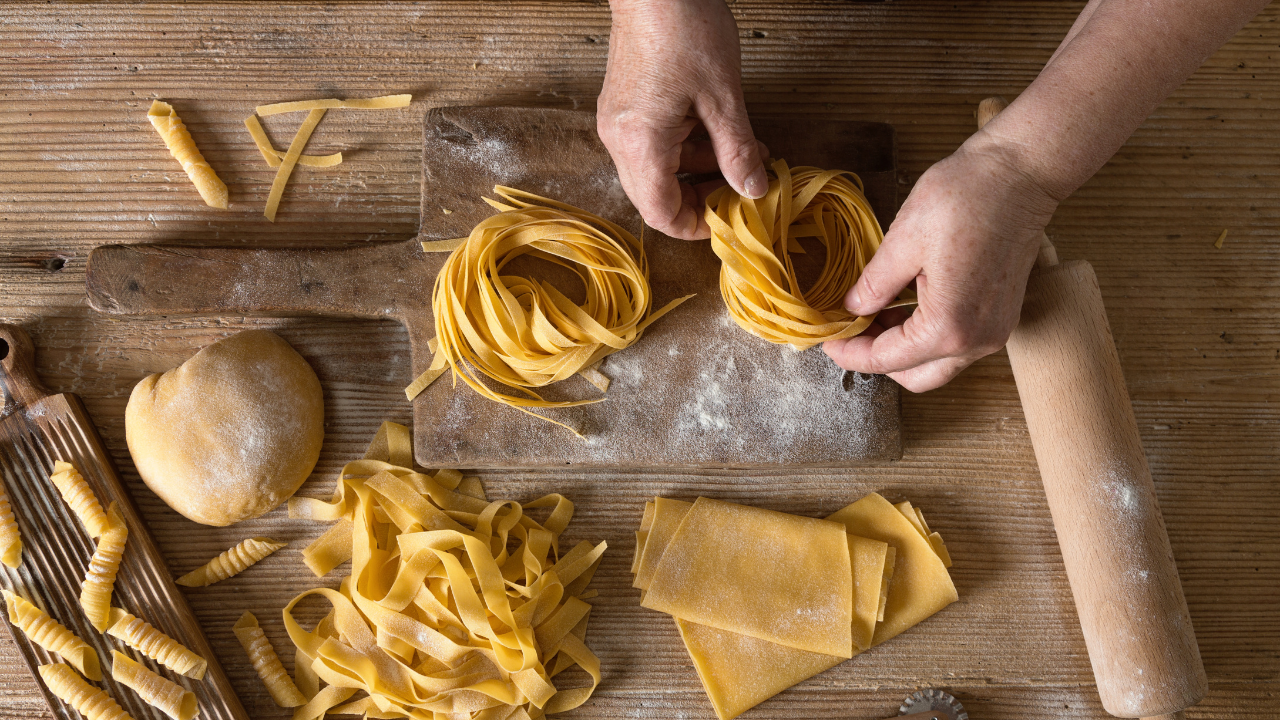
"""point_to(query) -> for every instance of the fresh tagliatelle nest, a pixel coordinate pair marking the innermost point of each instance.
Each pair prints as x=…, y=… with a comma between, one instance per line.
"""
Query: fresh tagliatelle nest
x=756, y=238
x=522, y=332
x=441, y=617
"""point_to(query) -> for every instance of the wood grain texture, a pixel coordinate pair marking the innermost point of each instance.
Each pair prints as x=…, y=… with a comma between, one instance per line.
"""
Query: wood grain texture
x=1196, y=327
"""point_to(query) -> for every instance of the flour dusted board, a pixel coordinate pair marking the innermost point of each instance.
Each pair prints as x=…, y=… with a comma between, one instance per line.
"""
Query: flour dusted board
x=696, y=391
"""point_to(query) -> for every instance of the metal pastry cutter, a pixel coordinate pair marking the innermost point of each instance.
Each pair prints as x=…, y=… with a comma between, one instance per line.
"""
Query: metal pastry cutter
x=931, y=705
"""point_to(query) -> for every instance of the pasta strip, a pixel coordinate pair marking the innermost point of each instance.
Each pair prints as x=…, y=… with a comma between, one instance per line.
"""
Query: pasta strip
x=524, y=333
x=165, y=695
x=289, y=160
x=274, y=156
x=231, y=562
x=100, y=579
x=52, y=635
x=382, y=102
x=755, y=239
x=141, y=636
x=88, y=700
x=266, y=662
x=174, y=133
x=75, y=491
x=10, y=537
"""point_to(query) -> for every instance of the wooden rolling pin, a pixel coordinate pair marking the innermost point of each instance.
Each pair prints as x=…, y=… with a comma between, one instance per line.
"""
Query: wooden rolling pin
x=1114, y=545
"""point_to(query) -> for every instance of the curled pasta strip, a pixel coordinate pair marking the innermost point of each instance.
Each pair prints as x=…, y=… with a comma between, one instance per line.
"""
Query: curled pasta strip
x=174, y=133
x=88, y=700
x=266, y=662
x=141, y=636
x=455, y=606
x=756, y=238
x=52, y=635
x=10, y=538
x=525, y=333
x=165, y=695
x=100, y=579
x=77, y=494
x=231, y=562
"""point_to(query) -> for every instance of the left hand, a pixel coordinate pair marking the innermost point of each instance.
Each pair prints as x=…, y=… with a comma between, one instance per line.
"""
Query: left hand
x=967, y=235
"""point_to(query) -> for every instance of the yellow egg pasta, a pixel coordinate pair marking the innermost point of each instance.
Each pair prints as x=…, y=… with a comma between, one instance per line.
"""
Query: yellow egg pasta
x=88, y=700
x=141, y=636
x=231, y=562
x=756, y=238
x=382, y=102
x=274, y=156
x=455, y=606
x=161, y=693
x=100, y=579
x=52, y=635
x=266, y=662
x=176, y=137
x=77, y=494
x=524, y=333
x=10, y=538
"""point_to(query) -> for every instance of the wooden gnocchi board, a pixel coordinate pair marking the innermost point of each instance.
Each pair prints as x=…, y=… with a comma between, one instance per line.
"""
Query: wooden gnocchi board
x=695, y=392
x=37, y=428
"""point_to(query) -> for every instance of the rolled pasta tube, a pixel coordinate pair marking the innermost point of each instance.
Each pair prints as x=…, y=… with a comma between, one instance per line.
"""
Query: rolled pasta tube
x=88, y=700
x=77, y=494
x=10, y=538
x=267, y=663
x=231, y=562
x=52, y=636
x=165, y=695
x=100, y=579
x=174, y=133
x=141, y=636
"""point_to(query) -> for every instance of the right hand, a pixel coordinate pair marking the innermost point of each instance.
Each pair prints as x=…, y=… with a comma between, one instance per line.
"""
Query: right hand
x=674, y=64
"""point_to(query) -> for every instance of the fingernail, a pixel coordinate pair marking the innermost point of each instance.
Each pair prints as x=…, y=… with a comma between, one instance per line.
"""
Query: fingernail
x=757, y=184
x=852, y=302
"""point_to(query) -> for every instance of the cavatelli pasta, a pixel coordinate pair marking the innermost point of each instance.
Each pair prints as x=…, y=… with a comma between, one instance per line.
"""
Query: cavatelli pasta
x=88, y=700
x=141, y=636
x=52, y=636
x=10, y=538
x=100, y=579
x=267, y=663
x=165, y=695
x=232, y=562
x=76, y=492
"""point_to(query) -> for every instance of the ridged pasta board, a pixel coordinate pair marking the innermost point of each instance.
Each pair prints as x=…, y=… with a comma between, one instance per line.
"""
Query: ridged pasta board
x=695, y=392
x=36, y=429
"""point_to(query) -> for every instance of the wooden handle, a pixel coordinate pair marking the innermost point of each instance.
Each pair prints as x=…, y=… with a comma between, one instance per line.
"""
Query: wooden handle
x=371, y=281
x=19, y=384
x=1114, y=546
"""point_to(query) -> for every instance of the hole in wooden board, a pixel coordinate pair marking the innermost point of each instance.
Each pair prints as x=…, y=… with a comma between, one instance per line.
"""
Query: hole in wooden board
x=4, y=349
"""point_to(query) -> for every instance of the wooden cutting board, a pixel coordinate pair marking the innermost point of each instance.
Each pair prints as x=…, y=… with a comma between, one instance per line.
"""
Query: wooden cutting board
x=695, y=392
x=37, y=428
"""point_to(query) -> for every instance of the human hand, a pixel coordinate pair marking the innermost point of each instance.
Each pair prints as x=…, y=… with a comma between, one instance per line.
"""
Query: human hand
x=967, y=235
x=674, y=65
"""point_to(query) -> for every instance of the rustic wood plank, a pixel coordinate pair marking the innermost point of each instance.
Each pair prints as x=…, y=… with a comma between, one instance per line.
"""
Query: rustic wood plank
x=1196, y=326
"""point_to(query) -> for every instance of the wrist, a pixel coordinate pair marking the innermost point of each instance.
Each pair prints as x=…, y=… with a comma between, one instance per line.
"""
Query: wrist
x=1025, y=166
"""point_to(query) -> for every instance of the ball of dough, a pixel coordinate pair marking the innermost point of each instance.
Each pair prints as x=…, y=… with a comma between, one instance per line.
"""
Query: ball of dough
x=232, y=432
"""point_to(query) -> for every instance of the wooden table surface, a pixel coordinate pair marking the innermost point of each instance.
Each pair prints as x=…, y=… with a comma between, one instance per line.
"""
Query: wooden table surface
x=1196, y=326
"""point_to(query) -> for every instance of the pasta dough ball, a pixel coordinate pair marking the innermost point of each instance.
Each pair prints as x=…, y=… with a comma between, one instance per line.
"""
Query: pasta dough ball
x=232, y=432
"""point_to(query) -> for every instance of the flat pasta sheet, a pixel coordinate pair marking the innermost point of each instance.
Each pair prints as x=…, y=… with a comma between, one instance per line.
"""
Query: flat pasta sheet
x=777, y=577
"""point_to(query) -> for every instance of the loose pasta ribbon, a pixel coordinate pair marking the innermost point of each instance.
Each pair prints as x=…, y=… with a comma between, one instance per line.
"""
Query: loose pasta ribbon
x=756, y=238
x=524, y=333
x=455, y=606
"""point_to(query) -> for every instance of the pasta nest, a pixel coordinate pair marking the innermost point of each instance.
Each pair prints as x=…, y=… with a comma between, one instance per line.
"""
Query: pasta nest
x=522, y=332
x=756, y=238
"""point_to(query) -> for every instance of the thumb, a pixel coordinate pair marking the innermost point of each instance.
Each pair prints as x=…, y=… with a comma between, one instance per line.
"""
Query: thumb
x=890, y=269
x=737, y=151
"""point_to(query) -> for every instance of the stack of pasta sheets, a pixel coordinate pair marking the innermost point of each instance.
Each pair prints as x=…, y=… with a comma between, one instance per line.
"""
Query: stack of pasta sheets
x=764, y=600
